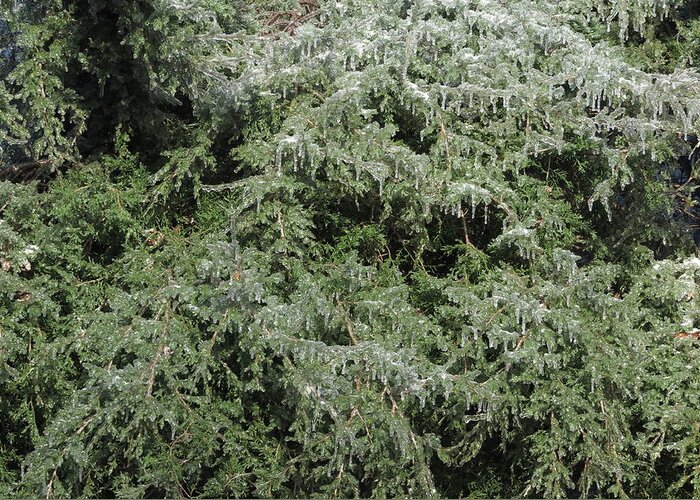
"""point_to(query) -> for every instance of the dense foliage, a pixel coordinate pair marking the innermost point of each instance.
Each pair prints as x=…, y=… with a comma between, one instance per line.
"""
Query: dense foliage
x=357, y=248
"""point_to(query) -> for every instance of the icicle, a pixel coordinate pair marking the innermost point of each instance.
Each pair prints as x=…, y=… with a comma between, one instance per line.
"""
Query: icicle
x=448, y=391
x=312, y=161
x=278, y=158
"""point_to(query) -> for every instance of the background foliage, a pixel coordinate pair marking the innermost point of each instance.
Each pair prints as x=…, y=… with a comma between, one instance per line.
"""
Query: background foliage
x=365, y=248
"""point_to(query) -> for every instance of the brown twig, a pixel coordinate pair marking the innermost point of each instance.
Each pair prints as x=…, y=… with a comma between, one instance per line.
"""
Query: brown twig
x=287, y=21
x=464, y=227
x=152, y=371
x=24, y=171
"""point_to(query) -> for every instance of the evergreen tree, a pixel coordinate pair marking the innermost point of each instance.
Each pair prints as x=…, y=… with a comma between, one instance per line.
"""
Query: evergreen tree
x=362, y=248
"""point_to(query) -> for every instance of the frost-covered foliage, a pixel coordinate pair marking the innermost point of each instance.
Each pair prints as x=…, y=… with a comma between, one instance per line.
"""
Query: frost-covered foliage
x=358, y=248
x=80, y=69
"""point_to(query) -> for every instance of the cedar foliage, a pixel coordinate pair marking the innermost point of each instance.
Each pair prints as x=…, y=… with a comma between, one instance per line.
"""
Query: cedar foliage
x=363, y=248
